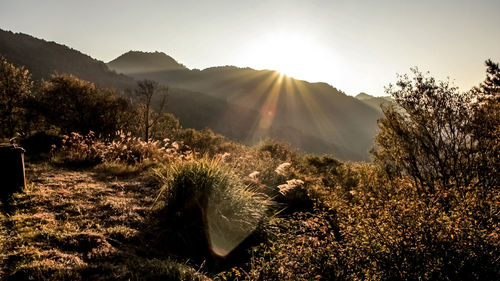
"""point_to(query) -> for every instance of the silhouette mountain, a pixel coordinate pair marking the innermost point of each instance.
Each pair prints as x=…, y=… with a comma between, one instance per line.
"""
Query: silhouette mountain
x=137, y=62
x=44, y=58
x=241, y=103
x=342, y=124
x=194, y=109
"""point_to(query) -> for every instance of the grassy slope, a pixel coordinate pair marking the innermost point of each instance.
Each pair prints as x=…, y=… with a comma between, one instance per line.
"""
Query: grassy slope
x=79, y=225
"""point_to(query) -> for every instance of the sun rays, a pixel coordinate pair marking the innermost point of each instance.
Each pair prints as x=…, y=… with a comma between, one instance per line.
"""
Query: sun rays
x=294, y=54
x=282, y=102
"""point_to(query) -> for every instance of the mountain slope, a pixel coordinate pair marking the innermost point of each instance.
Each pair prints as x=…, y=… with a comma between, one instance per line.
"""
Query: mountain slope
x=285, y=105
x=375, y=102
x=137, y=62
x=44, y=58
x=241, y=103
x=194, y=109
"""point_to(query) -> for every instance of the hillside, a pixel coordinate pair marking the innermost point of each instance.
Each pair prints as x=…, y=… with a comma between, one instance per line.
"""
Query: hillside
x=44, y=58
x=194, y=109
x=190, y=205
x=344, y=125
x=137, y=62
x=241, y=103
x=374, y=102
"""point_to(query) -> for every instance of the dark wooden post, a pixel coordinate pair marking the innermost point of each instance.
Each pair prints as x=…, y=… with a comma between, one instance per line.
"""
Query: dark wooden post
x=12, y=175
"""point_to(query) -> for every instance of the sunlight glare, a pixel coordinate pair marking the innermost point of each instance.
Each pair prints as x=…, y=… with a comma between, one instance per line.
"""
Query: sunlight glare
x=294, y=55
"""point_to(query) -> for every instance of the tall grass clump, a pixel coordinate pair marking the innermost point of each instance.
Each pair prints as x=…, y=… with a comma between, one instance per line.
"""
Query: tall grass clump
x=207, y=202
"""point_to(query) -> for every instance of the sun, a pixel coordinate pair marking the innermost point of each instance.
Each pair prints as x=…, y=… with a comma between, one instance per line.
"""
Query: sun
x=292, y=54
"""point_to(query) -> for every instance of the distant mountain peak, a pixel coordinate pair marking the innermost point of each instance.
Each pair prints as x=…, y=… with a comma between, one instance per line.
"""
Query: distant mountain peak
x=140, y=62
x=362, y=96
x=43, y=58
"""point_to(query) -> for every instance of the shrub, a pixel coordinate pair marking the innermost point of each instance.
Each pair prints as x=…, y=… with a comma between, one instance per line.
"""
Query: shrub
x=278, y=150
x=391, y=233
x=78, y=150
x=40, y=142
x=123, y=148
x=75, y=105
x=432, y=214
x=202, y=142
x=432, y=140
x=15, y=90
x=301, y=247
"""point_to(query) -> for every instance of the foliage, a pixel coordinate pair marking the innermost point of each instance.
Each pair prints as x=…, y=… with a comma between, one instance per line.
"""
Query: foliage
x=123, y=148
x=15, y=90
x=429, y=213
x=75, y=105
x=486, y=127
x=202, y=142
x=431, y=140
x=427, y=209
x=390, y=232
x=166, y=126
x=301, y=247
x=278, y=150
x=40, y=142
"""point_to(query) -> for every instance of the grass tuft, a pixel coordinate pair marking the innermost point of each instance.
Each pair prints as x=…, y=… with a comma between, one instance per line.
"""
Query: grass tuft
x=229, y=210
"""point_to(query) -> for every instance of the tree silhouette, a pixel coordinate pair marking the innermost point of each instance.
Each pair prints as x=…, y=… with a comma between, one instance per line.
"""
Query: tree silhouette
x=146, y=91
x=15, y=88
x=486, y=129
x=439, y=138
x=75, y=105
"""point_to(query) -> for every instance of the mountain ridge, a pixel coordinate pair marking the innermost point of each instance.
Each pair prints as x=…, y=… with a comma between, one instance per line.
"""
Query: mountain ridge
x=43, y=58
x=138, y=61
x=243, y=104
x=317, y=109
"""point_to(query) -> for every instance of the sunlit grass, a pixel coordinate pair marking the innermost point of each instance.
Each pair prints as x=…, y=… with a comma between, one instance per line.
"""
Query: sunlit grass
x=230, y=210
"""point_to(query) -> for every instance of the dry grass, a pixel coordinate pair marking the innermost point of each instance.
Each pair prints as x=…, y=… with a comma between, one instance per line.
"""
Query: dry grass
x=79, y=225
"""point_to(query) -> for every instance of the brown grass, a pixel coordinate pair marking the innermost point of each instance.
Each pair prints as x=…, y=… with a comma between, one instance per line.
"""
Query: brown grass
x=79, y=225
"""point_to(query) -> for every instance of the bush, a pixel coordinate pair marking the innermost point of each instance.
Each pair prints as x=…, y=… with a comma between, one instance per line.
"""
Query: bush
x=278, y=150
x=40, y=142
x=75, y=105
x=391, y=233
x=125, y=149
x=301, y=247
x=432, y=214
x=202, y=142
x=15, y=91
x=432, y=139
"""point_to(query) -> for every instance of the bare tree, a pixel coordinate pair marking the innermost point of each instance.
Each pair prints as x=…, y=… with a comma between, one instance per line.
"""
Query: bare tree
x=146, y=91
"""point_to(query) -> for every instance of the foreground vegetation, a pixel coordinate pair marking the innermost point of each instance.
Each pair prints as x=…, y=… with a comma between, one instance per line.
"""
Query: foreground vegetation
x=189, y=205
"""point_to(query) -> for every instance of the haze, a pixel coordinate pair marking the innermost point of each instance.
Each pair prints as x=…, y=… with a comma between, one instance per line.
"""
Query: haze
x=356, y=46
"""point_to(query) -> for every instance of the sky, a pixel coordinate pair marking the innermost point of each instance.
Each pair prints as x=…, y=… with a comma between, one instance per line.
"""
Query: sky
x=356, y=46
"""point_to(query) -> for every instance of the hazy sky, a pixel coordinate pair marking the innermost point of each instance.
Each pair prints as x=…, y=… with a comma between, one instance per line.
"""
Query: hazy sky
x=356, y=46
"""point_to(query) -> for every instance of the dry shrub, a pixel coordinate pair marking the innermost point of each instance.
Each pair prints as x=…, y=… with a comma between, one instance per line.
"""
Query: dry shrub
x=395, y=232
x=123, y=149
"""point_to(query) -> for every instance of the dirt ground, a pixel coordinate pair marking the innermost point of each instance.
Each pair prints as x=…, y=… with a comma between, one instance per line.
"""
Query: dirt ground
x=76, y=224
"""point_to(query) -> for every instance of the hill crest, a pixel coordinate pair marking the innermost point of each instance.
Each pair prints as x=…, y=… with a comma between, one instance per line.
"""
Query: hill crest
x=138, y=61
